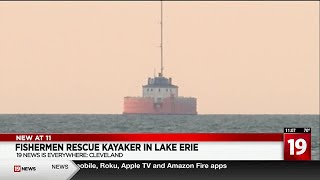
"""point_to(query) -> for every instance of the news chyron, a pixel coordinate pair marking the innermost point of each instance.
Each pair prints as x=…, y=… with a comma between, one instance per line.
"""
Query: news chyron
x=77, y=156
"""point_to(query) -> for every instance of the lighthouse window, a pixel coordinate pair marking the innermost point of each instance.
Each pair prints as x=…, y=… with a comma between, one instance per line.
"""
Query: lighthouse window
x=159, y=89
x=167, y=90
x=148, y=89
x=151, y=89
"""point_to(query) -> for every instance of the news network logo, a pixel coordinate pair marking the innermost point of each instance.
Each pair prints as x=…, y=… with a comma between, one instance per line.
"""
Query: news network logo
x=18, y=168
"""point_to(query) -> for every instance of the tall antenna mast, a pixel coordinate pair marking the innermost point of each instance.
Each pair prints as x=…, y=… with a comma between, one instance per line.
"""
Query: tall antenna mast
x=161, y=22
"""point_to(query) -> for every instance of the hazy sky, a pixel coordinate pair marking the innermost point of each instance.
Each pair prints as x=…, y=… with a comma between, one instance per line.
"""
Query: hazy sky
x=84, y=57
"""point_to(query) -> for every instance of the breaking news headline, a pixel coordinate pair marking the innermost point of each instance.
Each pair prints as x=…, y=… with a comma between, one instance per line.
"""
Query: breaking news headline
x=107, y=147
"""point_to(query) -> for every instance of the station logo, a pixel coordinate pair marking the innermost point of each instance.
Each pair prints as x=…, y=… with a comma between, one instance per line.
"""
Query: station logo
x=18, y=168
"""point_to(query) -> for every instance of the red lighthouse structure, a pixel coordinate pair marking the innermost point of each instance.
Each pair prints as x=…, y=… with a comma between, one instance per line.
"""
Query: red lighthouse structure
x=159, y=95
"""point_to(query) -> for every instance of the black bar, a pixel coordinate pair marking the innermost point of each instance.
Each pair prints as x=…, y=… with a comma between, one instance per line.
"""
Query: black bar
x=297, y=130
x=251, y=170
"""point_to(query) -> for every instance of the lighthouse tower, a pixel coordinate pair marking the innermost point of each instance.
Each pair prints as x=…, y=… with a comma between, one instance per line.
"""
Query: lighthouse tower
x=159, y=88
x=159, y=95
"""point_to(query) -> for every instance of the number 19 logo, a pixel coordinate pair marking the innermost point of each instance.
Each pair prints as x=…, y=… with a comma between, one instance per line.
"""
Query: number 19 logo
x=297, y=146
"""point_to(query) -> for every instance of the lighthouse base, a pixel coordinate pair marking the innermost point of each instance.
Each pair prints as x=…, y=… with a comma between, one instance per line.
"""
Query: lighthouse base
x=170, y=105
